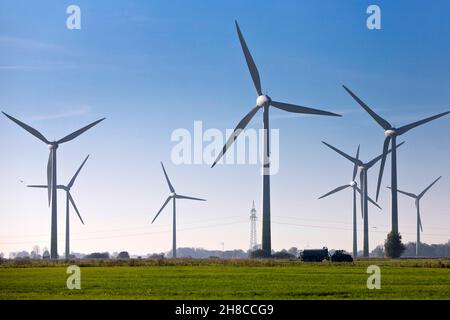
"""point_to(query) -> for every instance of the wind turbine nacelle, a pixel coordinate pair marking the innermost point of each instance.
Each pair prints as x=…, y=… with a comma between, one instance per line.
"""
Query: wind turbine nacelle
x=172, y=195
x=263, y=101
x=390, y=133
x=53, y=146
x=352, y=183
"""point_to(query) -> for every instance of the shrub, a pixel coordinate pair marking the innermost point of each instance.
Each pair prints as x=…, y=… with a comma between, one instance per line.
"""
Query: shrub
x=257, y=254
x=123, y=255
x=97, y=255
x=282, y=255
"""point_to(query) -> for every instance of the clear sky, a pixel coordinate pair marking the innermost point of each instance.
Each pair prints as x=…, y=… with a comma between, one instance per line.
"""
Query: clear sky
x=151, y=67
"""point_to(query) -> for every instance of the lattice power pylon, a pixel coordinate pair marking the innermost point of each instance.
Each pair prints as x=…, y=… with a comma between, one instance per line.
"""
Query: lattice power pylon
x=253, y=236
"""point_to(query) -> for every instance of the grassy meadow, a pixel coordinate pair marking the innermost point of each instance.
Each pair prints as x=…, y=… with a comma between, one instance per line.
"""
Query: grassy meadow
x=225, y=279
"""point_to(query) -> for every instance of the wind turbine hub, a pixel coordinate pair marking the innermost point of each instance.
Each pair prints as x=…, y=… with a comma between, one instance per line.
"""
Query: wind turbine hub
x=172, y=195
x=352, y=183
x=53, y=146
x=390, y=133
x=263, y=101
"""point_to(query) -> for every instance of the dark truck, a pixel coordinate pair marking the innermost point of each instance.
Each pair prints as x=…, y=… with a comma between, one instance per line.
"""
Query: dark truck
x=315, y=255
x=318, y=255
x=341, y=256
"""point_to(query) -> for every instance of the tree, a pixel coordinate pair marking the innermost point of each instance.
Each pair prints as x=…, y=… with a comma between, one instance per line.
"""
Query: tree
x=35, y=253
x=257, y=254
x=155, y=256
x=378, y=252
x=283, y=254
x=97, y=255
x=123, y=255
x=393, y=246
x=22, y=255
x=293, y=251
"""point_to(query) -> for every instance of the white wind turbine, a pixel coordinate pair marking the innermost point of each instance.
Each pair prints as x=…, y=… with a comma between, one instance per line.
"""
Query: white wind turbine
x=173, y=196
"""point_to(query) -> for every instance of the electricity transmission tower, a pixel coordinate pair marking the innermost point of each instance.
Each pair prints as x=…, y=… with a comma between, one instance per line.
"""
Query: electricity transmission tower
x=253, y=237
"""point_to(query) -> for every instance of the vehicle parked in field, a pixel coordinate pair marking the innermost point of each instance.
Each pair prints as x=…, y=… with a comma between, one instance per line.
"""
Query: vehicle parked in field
x=341, y=256
x=315, y=255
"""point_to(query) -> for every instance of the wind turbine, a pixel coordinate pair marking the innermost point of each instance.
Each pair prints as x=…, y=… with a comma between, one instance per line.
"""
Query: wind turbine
x=354, y=185
x=69, y=200
x=417, y=202
x=263, y=101
x=173, y=196
x=363, y=167
x=51, y=174
x=391, y=133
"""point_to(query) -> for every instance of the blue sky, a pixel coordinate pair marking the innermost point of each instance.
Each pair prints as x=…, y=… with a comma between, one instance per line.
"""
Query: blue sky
x=151, y=67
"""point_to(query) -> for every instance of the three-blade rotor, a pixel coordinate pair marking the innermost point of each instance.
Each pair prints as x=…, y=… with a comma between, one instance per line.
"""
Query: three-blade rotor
x=418, y=197
x=390, y=131
x=67, y=188
x=353, y=184
x=357, y=163
x=172, y=195
x=52, y=144
x=263, y=101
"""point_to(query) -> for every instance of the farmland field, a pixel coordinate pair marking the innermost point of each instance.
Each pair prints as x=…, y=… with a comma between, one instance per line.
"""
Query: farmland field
x=226, y=279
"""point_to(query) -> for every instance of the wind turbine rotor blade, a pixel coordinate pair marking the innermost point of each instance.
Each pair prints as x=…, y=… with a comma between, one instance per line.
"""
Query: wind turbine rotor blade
x=420, y=223
x=361, y=183
x=79, y=132
x=374, y=203
x=303, y=110
x=412, y=195
x=31, y=130
x=167, y=178
x=355, y=166
x=334, y=191
x=188, y=198
x=250, y=62
x=237, y=131
x=355, y=161
x=74, y=206
x=37, y=186
x=49, y=176
x=408, y=127
x=428, y=188
x=362, y=204
x=72, y=181
x=383, y=162
x=163, y=206
x=375, y=160
x=382, y=122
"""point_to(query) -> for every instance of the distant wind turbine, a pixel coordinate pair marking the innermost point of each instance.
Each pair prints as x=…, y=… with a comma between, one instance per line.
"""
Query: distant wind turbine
x=417, y=202
x=51, y=174
x=173, y=196
x=363, y=167
x=69, y=200
x=263, y=101
x=391, y=133
x=354, y=185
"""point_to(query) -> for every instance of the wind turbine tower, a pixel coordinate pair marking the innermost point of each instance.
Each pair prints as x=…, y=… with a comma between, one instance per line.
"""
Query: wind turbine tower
x=253, y=236
x=417, y=198
x=263, y=102
x=173, y=196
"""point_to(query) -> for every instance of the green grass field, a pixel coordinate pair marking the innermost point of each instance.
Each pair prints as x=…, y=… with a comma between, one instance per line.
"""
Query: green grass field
x=227, y=279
